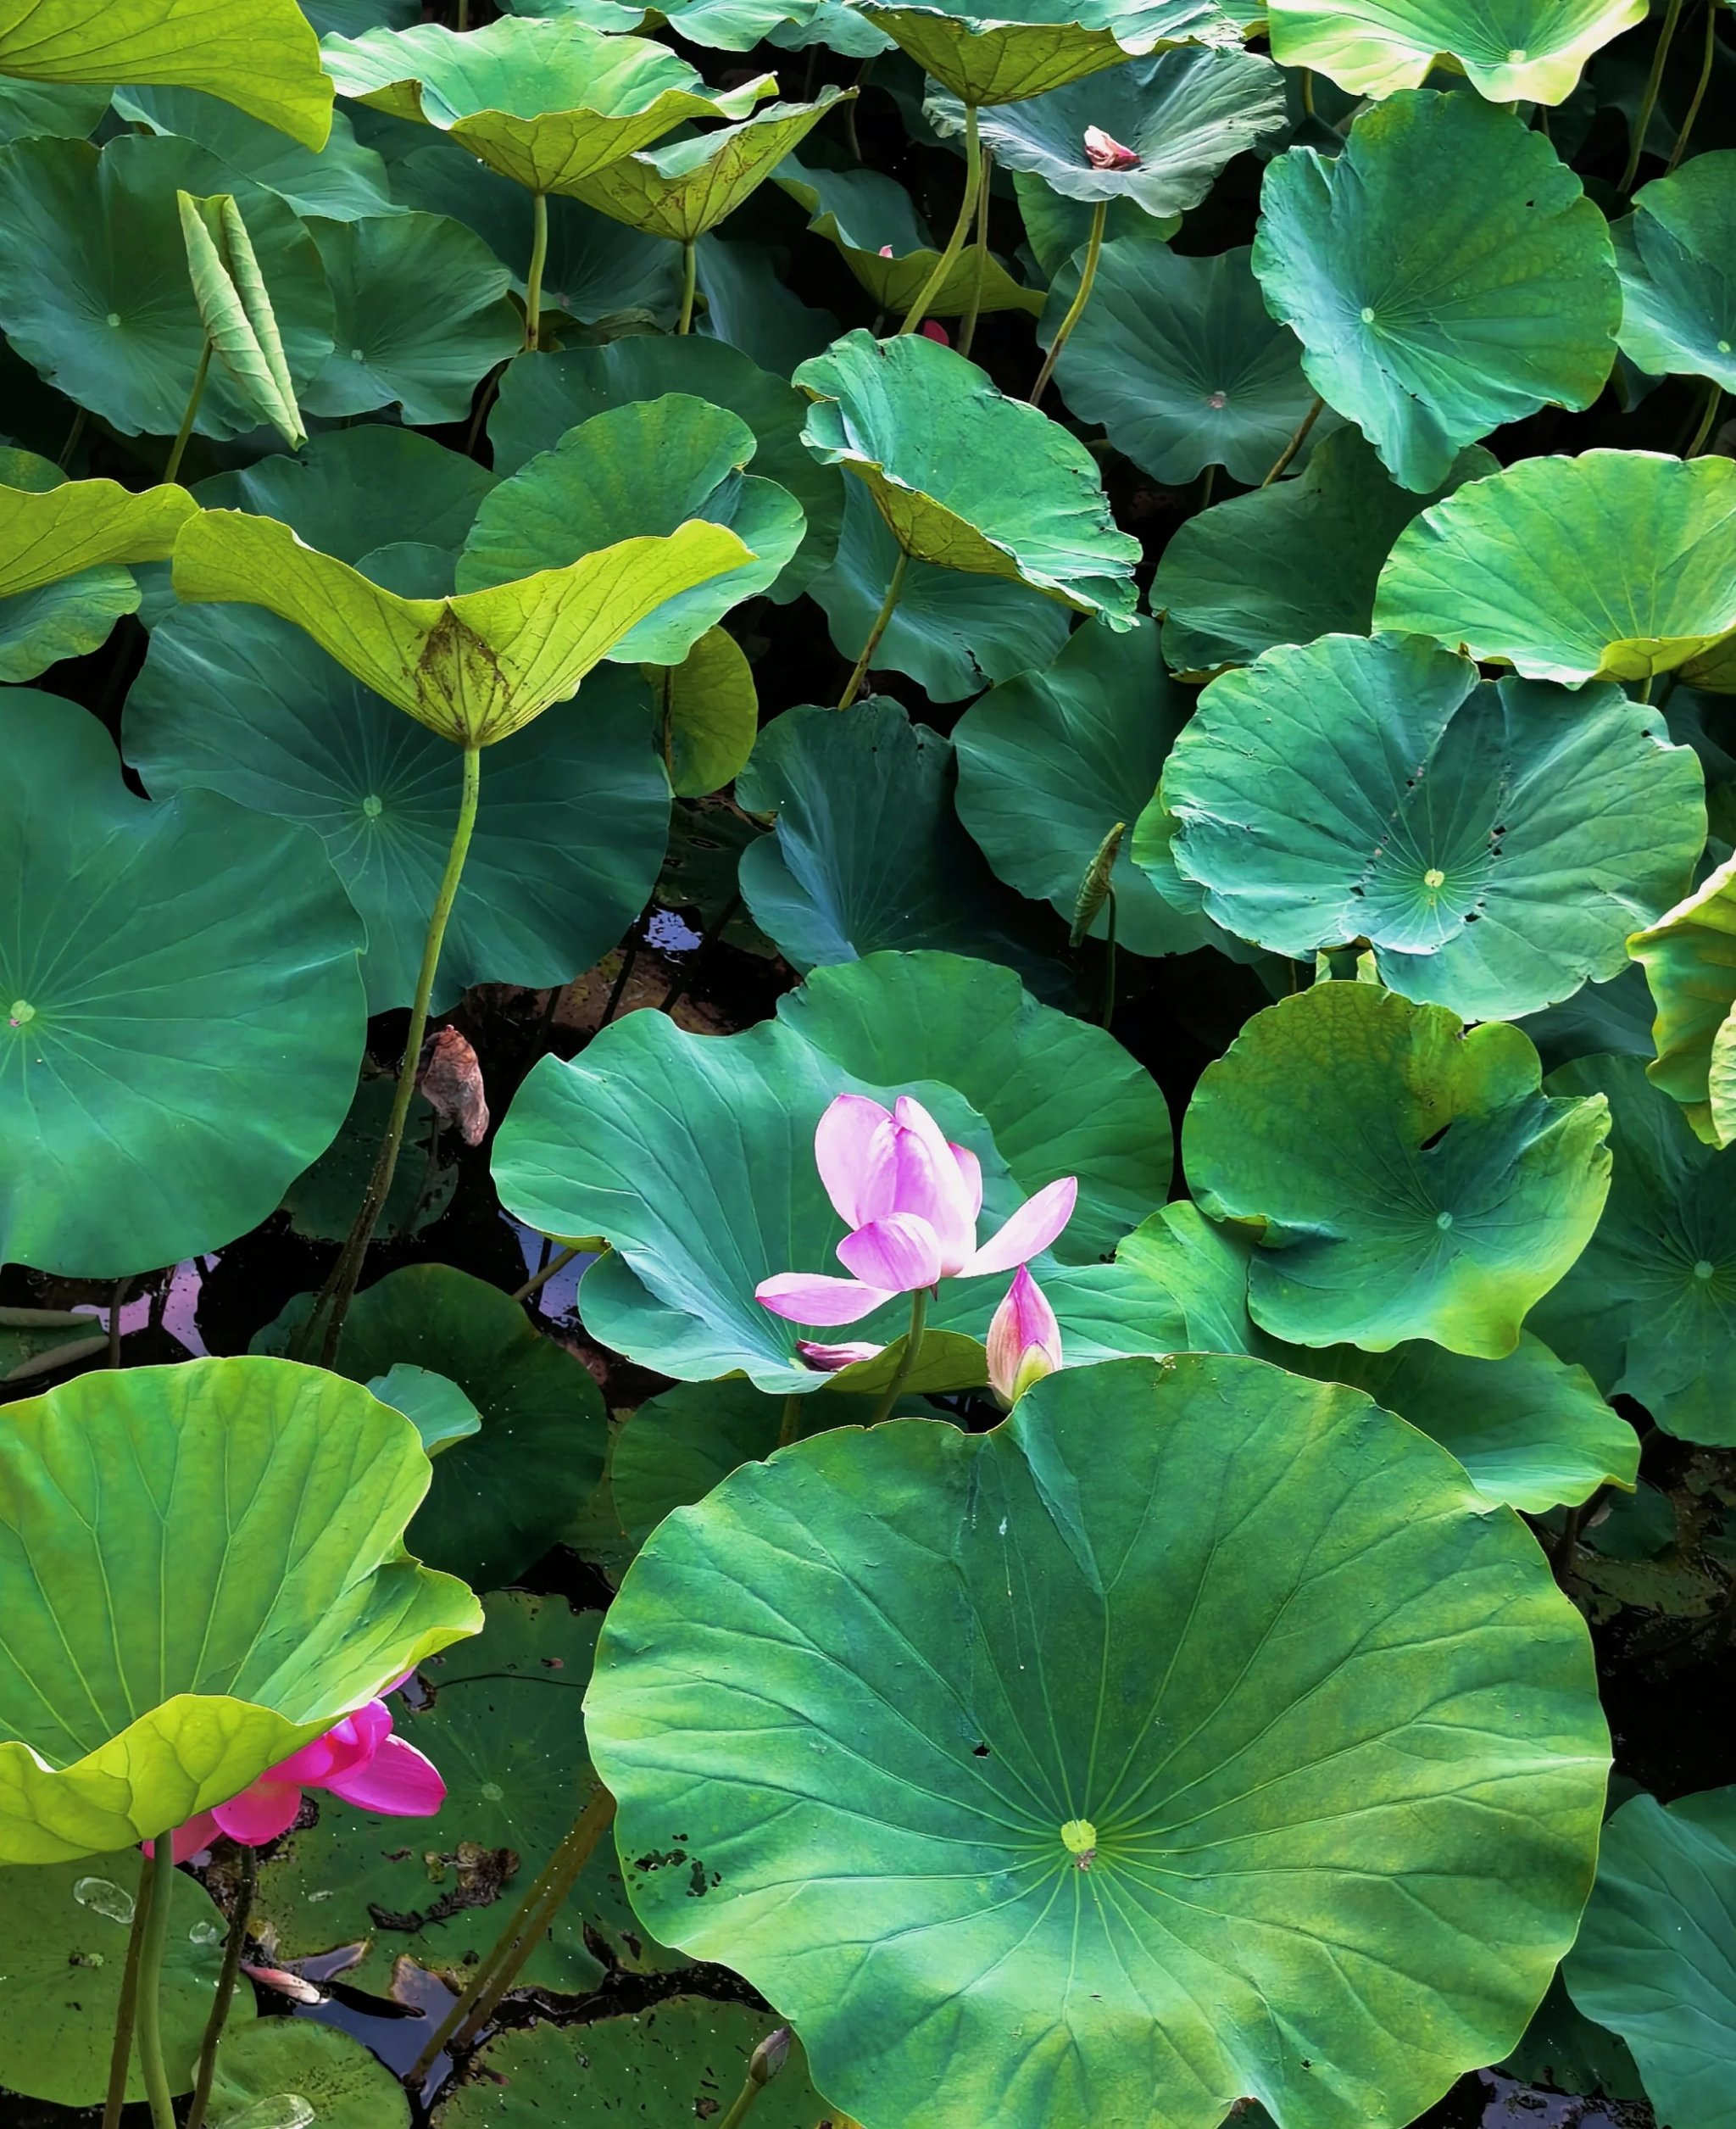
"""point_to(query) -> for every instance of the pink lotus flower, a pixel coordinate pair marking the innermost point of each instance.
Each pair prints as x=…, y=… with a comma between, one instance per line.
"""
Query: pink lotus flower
x=911, y=1201
x=358, y=1759
x=1105, y=153
x=1024, y=1339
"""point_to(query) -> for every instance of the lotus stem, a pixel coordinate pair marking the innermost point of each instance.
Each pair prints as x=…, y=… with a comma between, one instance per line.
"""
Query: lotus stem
x=1713, y=400
x=853, y=686
x=1700, y=89
x=533, y=272
x=158, y=1893
x=117, y=1301
x=178, y=448
x=956, y=243
x=1108, y=966
x=502, y=1963
x=1649, y=101
x=538, y=1281
x=1076, y=309
x=967, y=330
x=226, y=1979
x=907, y=1359
x=1296, y=441
x=73, y=434
x=790, y=1419
x=464, y=16
x=126, y=2011
x=690, y=277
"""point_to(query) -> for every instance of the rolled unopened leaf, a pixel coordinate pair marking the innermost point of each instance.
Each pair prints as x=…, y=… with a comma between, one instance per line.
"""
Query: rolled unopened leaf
x=1095, y=889
x=236, y=310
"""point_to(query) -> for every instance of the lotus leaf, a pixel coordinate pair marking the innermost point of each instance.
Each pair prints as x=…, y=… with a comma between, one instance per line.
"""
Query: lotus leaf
x=1039, y=45
x=1495, y=842
x=1006, y=1780
x=1673, y=251
x=1177, y=1283
x=1050, y=761
x=1056, y=227
x=1444, y=274
x=638, y=475
x=1565, y=2051
x=1689, y=957
x=732, y=26
x=951, y=633
x=544, y=103
x=1614, y=565
x=1404, y=1177
x=682, y=189
x=63, y=1928
x=709, y=715
x=677, y=1447
x=344, y=181
x=322, y=1202
x=434, y=1405
x=30, y=107
x=1512, y=50
x=94, y=287
x=324, y=2069
x=260, y=55
x=568, y=837
x=474, y=669
x=1182, y=114
x=868, y=853
x=281, y=1494
x=1649, y=1310
x=839, y=25
x=163, y=963
x=503, y=1724
x=1289, y=562
x=421, y=317
x=747, y=306
x=1657, y=1950
x=1179, y=360
x=965, y=476
x=34, y=1340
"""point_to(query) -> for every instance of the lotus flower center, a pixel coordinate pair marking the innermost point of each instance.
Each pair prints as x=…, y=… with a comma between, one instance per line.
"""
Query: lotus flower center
x=357, y=355
x=1079, y=1838
x=1517, y=56
x=373, y=805
x=1723, y=347
x=1219, y=399
x=1434, y=877
x=21, y=1011
x=114, y=317
x=1367, y=315
x=1443, y=1220
x=493, y=1792
x=1704, y=1269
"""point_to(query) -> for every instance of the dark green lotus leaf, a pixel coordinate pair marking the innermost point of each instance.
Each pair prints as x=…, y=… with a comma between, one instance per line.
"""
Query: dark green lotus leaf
x=1178, y=359
x=1494, y=841
x=570, y=834
x=1656, y=1954
x=504, y=1726
x=1028, y=46
x=1565, y=2051
x=345, y=182
x=183, y=1014
x=544, y=103
x=1532, y=50
x=66, y=616
x=1615, y=1017
x=869, y=215
x=1404, y=1177
x=345, y=2085
x=685, y=2059
x=28, y=108
x=321, y=1203
x=951, y=633
x=1184, y=113
x=1061, y=1097
x=1056, y=227
x=686, y=186
x=421, y=317
x=1290, y=562
x=1689, y=957
x=543, y=396
x=965, y=476
x=839, y=25
x=645, y=468
x=132, y=1697
x=1674, y=252
x=988, y=1801
x=1613, y=566
x=1445, y=274
x=1049, y=762
x=595, y=14
x=694, y=1156
x=730, y=25
x=260, y=55
x=94, y=289
x=63, y=1929
x=349, y=18
x=499, y=1500
x=868, y=853
x=1649, y=1310
x=749, y=305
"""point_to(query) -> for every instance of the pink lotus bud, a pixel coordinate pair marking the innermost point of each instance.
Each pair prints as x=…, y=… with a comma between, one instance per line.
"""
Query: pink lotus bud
x=1105, y=153
x=934, y=331
x=1024, y=1339
x=828, y=1359
x=885, y=251
x=769, y=2057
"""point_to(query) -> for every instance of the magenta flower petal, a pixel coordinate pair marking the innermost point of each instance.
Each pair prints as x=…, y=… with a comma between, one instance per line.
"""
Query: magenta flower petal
x=188, y=1841
x=853, y=1150
x=896, y=1255
x=932, y=1186
x=1024, y=1339
x=1029, y=1231
x=261, y=1812
x=828, y=1359
x=397, y=1781
x=814, y=1297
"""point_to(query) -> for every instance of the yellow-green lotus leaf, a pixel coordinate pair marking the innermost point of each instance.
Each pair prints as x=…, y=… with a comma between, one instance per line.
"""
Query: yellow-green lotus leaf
x=45, y=534
x=1510, y=49
x=1689, y=956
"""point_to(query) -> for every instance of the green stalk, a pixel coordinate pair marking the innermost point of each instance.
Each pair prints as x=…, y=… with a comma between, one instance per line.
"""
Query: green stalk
x=1296, y=441
x=533, y=274
x=967, y=332
x=1076, y=309
x=1108, y=966
x=907, y=1359
x=956, y=243
x=1649, y=102
x=1714, y=399
x=226, y=1979
x=853, y=686
x=538, y=1281
x=1700, y=89
x=690, y=279
x=160, y=1882
x=177, y=450
x=126, y=2011
x=790, y=1421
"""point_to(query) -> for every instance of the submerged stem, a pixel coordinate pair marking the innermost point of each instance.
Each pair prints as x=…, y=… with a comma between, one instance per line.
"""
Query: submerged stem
x=1076, y=309
x=967, y=330
x=159, y=1883
x=956, y=243
x=1296, y=440
x=853, y=686
x=226, y=1979
x=690, y=282
x=126, y=2011
x=907, y=1359
x=533, y=273
x=177, y=450
x=1649, y=101
x=1700, y=87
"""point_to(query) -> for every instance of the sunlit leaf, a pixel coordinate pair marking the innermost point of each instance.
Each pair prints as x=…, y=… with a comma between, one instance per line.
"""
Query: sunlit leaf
x=708, y=713
x=1689, y=956
x=1512, y=50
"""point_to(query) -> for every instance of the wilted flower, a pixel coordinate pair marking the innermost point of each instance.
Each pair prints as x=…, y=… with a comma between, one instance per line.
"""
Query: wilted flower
x=1105, y=153
x=1024, y=1339
x=911, y=1200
